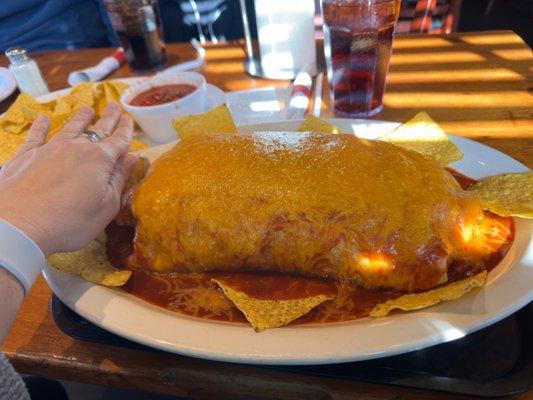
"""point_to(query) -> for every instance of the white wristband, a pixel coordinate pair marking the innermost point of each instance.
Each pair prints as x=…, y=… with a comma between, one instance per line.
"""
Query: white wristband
x=20, y=255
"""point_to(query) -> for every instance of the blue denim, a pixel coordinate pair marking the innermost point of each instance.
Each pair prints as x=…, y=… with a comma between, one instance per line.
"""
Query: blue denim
x=68, y=24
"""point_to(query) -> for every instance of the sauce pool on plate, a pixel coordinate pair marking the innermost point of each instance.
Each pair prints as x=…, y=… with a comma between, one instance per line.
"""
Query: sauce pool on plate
x=162, y=94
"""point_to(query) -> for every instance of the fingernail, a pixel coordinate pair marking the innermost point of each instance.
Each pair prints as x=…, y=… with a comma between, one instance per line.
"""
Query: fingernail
x=86, y=109
x=128, y=119
x=42, y=118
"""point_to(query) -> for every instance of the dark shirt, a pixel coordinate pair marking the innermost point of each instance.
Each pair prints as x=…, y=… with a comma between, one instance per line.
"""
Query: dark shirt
x=68, y=24
x=52, y=24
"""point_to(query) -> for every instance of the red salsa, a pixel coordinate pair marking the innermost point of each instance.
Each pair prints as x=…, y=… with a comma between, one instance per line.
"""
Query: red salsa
x=162, y=94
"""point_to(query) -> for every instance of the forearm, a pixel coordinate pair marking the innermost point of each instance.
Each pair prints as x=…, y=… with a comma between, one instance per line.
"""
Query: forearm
x=11, y=296
x=21, y=261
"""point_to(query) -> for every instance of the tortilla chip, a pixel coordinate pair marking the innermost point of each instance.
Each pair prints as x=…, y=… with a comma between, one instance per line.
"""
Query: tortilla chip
x=80, y=95
x=508, y=195
x=265, y=313
x=20, y=115
x=217, y=120
x=106, y=92
x=61, y=113
x=314, y=124
x=136, y=144
x=416, y=301
x=90, y=264
x=138, y=174
x=423, y=135
x=61, y=108
x=16, y=122
x=31, y=108
x=9, y=145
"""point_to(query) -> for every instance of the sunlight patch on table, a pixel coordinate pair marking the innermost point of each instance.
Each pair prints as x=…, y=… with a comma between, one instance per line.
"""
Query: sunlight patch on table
x=496, y=38
x=513, y=54
x=496, y=128
x=436, y=57
x=496, y=74
x=242, y=83
x=484, y=100
x=223, y=53
x=223, y=68
x=420, y=42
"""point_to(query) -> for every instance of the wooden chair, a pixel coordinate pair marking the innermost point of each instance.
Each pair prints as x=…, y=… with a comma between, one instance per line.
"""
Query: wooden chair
x=419, y=16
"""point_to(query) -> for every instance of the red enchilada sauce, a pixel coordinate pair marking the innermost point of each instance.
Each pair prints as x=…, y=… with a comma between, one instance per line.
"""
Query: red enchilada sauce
x=162, y=94
x=196, y=295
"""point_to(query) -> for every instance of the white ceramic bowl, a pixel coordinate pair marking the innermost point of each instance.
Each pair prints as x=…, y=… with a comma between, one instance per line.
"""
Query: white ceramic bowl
x=156, y=121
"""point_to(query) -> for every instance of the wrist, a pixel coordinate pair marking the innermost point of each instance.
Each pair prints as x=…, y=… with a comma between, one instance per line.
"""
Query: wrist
x=30, y=229
x=20, y=255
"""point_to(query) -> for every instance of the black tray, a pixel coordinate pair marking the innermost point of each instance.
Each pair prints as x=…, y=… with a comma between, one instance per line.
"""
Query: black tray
x=494, y=362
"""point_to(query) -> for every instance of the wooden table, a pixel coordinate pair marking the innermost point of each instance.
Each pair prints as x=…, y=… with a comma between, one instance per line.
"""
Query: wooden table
x=477, y=85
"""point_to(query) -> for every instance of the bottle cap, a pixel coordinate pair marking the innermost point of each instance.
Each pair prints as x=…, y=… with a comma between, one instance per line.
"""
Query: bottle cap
x=17, y=54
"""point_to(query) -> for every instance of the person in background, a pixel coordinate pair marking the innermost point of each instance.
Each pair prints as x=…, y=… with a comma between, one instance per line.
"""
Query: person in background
x=64, y=24
x=53, y=24
x=56, y=197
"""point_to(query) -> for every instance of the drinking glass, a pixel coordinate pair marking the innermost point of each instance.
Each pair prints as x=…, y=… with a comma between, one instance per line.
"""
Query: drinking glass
x=140, y=31
x=357, y=43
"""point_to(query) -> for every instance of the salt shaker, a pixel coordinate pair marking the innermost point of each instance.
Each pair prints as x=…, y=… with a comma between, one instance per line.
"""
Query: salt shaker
x=26, y=72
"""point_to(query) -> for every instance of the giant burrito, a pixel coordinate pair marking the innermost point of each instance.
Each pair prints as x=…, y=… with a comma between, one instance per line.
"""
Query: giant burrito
x=312, y=204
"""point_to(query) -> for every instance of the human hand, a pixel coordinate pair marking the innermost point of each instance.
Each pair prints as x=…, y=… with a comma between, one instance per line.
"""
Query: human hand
x=63, y=193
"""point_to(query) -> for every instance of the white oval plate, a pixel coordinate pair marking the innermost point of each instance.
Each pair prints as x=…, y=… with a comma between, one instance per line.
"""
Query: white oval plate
x=508, y=289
